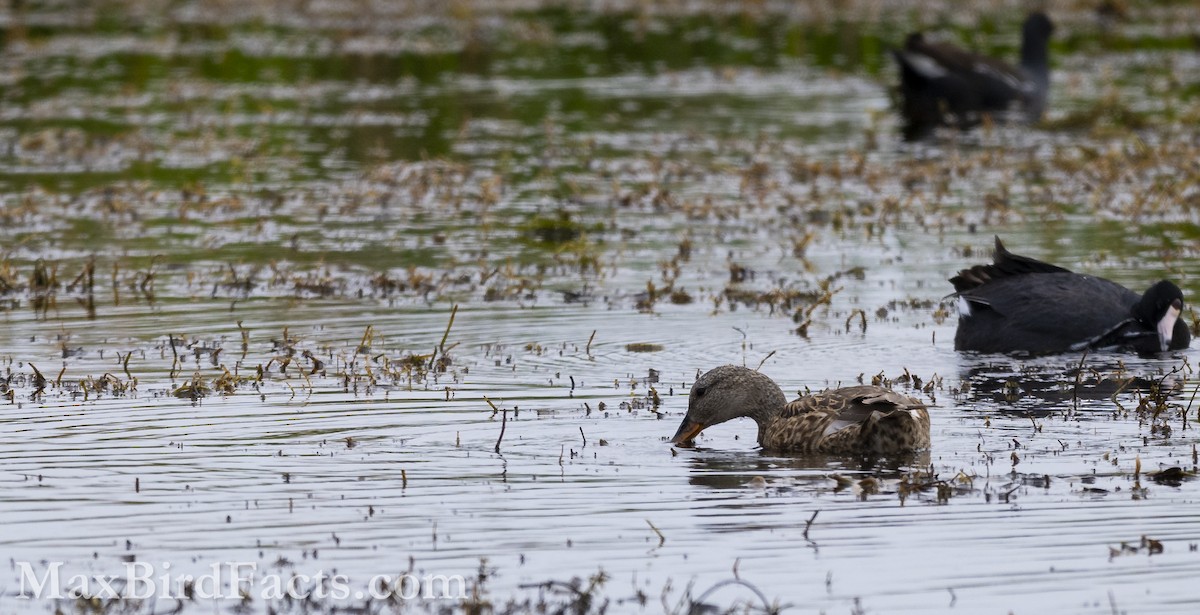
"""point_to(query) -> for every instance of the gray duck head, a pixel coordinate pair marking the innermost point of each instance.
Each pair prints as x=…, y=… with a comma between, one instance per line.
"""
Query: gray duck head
x=725, y=393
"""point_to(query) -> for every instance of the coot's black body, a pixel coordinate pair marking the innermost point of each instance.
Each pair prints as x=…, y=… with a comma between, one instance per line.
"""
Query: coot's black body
x=1022, y=305
x=942, y=84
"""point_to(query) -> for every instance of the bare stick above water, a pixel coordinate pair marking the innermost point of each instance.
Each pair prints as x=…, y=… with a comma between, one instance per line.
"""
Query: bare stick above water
x=661, y=539
x=174, y=353
x=442, y=345
x=503, y=421
x=808, y=524
x=760, y=363
x=503, y=425
x=1078, y=378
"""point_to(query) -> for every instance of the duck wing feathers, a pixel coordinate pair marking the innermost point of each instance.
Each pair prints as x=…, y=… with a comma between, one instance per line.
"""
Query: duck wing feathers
x=855, y=419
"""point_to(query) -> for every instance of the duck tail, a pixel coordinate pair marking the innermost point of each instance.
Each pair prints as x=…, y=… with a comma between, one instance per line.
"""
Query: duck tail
x=898, y=430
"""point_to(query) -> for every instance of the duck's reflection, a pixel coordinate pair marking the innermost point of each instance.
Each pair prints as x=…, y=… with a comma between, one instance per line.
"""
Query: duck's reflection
x=1045, y=386
x=722, y=470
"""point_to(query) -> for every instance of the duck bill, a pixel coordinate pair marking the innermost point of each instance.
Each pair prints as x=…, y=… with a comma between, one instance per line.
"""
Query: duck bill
x=1166, y=325
x=688, y=430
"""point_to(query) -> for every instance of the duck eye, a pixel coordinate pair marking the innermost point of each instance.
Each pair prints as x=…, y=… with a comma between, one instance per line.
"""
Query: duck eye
x=700, y=391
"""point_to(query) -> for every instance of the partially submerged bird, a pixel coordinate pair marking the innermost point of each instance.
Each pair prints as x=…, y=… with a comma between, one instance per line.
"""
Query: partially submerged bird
x=1021, y=305
x=944, y=85
x=853, y=420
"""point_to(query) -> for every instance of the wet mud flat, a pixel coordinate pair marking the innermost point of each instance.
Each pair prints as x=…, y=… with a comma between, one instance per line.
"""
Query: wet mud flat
x=419, y=291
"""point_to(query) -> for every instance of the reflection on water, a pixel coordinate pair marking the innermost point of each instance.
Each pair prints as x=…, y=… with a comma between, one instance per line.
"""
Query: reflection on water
x=1053, y=385
x=717, y=470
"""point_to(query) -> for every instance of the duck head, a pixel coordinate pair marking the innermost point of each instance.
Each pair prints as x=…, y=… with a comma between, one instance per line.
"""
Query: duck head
x=1035, y=40
x=1035, y=61
x=725, y=393
x=1159, y=310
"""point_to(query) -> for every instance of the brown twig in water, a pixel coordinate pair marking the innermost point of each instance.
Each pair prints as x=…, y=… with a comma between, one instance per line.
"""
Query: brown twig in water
x=442, y=345
x=503, y=421
x=1124, y=384
x=362, y=345
x=245, y=338
x=174, y=353
x=862, y=319
x=760, y=363
x=503, y=424
x=1078, y=378
x=808, y=524
x=588, y=349
x=767, y=607
x=554, y=584
x=39, y=380
x=1189, y=407
x=583, y=436
x=661, y=539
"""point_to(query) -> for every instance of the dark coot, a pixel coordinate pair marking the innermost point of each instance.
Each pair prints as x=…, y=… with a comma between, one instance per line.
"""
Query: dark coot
x=944, y=85
x=1021, y=305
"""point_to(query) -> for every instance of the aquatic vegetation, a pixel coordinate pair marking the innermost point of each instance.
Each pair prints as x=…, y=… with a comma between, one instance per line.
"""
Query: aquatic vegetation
x=554, y=230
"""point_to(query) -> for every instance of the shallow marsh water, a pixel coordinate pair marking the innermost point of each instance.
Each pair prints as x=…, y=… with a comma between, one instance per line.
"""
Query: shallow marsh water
x=310, y=192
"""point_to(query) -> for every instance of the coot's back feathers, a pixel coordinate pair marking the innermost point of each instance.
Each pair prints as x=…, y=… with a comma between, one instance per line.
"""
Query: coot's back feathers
x=1005, y=264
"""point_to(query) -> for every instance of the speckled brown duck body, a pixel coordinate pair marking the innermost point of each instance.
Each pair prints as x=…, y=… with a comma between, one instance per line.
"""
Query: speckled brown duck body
x=853, y=420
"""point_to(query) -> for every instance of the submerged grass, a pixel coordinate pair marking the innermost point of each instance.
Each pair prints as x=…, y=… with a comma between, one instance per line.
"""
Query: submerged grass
x=594, y=595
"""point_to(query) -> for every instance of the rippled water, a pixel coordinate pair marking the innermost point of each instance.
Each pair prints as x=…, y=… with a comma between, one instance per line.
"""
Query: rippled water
x=311, y=185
